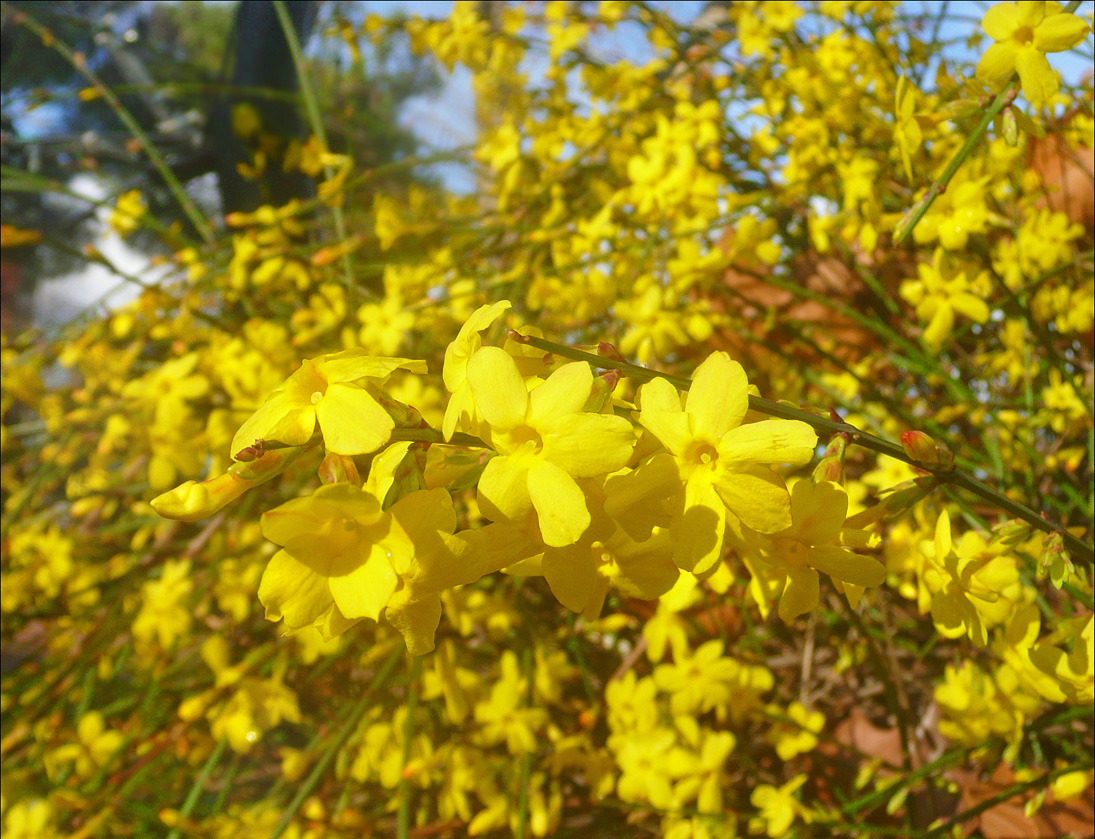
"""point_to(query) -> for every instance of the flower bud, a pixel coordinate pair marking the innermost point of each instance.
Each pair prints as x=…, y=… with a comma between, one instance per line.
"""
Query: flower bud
x=1010, y=127
x=338, y=469
x=924, y=451
x=1010, y=532
x=831, y=467
x=1054, y=561
x=192, y=501
x=607, y=350
x=601, y=393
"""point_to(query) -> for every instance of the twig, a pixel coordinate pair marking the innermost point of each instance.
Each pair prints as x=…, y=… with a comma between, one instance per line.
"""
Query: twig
x=79, y=61
x=830, y=427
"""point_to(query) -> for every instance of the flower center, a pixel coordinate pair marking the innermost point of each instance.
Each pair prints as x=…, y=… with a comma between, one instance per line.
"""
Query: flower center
x=605, y=560
x=526, y=440
x=791, y=552
x=1024, y=35
x=702, y=453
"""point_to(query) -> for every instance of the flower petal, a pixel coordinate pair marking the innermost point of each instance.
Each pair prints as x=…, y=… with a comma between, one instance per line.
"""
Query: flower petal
x=585, y=444
x=416, y=620
x=846, y=566
x=699, y=529
x=818, y=511
x=503, y=489
x=718, y=398
x=940, y=326
x=1001, y=21
x=565, y=391
x=281, y=420
x=1040, y=81
x=670, y=427
x=645, y=497
x=659, y=395
x=468, y=341
x=971, y=306
x=560, y=504
x=768, y=441
x=499, y=391
x=942, y=537
x=646, y=569
x=460, y=412
x=572, y=576
x=1029, y=13
x=1059, y=32
x=758, y=497
x=800, y=595
x=352, y=421
x=293, y=592
x=350, y=365
x=998, y=62
x=365, y=591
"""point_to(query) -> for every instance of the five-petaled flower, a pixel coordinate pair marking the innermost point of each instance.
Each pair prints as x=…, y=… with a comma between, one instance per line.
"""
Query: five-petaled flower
x=1024, y=32
x=722, y=463
x=333, y=390
x=544, y=441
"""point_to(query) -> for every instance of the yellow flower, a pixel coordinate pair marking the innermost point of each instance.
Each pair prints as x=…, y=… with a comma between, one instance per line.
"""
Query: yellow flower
x=127, y=214
x=907, y=133
x=956, y=214
x=778, y=807
x=544, y=441
x=811, y=544
x=1024, y=32
x=333, y=391
x=943, y=289
x=461, y=407
x=504, y=717
x=96, y=745
x=341, y=559
x=968, y=585
x=798, y=734
x=722, y=463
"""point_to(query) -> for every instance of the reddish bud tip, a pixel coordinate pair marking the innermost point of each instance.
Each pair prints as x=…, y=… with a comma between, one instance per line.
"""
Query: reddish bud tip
x=607, y=350
x=252, y=452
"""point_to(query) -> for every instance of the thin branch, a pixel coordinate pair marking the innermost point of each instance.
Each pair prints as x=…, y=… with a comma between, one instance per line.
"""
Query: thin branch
x=830, y=427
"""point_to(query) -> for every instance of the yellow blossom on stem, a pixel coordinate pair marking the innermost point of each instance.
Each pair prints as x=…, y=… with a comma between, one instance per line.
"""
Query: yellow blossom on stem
x=544, y=442
x=944, y=289
x=722, y=463
x=333, y=391
x=778, y=807
x=193, y=501
x=1024, y=32
x=97, y=744
x=967, y=585
x=461, y=407
x=907, y=133
x=812, y=544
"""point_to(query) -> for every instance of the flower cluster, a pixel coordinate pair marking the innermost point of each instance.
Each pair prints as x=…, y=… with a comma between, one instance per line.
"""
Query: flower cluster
x=710, y=596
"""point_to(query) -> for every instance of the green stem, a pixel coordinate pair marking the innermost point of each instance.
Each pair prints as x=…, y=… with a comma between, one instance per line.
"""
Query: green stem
x=521, y=827
x=348, y=728
x=906, y=226
x=79, y=61
x=432, y=435
x=315, y=120
x=1004, y=795
x=1004, y=98
x=403, y=816
x=954, y=477
x=199, y=784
